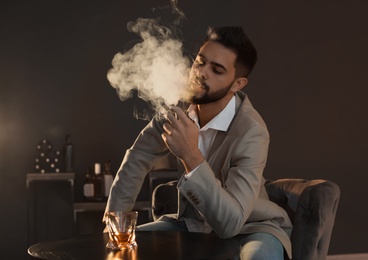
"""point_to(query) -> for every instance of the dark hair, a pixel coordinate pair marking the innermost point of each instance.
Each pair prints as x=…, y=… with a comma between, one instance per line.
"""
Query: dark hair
x=235, y=39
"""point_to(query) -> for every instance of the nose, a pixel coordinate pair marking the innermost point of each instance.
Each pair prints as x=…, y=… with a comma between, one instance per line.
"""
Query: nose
x=202, y=72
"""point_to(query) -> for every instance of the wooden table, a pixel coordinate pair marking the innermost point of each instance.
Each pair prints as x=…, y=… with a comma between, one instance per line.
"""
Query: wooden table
x=151, y=245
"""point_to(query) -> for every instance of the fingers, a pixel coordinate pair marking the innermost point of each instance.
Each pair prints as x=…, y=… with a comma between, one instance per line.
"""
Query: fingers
x=177, y=123
x=164, y=137
x=171, y=117
x=168, y=128
x=172, y=121
x=172, y=126
x=177, y=115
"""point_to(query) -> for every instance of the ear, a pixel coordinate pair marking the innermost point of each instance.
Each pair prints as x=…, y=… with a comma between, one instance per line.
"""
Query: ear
x=239, y=84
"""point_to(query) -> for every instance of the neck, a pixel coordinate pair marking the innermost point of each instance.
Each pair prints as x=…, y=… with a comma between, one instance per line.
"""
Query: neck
x=206, y=112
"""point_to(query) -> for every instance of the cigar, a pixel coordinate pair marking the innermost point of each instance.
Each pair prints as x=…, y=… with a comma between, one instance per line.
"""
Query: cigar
x=169, y=110
x=166, y=107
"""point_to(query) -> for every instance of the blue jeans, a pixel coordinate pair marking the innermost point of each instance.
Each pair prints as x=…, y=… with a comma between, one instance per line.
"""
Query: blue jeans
x=172, y=225
x=256, y=246
x=260, y=246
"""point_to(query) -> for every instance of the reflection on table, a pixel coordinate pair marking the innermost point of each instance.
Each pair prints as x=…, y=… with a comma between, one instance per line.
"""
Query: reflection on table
x=151, y=245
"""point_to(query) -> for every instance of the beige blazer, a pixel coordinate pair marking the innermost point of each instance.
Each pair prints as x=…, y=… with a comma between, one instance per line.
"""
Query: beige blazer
x=226, y=193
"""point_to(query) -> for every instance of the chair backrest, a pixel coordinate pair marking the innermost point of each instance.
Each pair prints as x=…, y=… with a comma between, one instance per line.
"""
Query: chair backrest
x=311, y=206
x=164, y=199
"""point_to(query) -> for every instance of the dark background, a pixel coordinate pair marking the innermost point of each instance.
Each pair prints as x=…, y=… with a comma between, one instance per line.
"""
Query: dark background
x=309, y=85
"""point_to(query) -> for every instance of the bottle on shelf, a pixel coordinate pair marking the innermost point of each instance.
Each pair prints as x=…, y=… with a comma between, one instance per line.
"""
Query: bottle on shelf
x=89, y=186
x=108, y=178
x=98, y=183
x=68, y=154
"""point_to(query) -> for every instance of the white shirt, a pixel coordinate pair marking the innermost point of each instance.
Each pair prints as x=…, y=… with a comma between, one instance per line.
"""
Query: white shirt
x=207, y=133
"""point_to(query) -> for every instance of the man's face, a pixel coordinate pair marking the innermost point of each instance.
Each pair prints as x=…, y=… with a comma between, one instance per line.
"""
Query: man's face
x=212, y=74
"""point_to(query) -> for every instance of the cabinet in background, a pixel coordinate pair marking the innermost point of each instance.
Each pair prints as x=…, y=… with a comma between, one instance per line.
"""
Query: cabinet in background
x=49, y=208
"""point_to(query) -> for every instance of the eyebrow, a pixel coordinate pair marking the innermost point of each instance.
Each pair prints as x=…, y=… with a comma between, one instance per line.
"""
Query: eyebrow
x=212, y=62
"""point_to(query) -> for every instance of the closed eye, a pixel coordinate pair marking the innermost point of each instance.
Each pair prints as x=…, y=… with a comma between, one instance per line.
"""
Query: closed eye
x=217, y=68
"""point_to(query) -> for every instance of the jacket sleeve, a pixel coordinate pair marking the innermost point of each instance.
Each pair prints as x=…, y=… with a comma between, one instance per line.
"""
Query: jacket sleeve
x=137, y=163
x=227, y=201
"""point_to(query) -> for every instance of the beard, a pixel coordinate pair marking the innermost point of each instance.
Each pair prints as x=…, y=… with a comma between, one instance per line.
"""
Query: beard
x=206, y=97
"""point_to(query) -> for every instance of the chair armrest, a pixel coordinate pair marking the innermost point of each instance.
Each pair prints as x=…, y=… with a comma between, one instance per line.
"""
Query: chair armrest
x=312, y=207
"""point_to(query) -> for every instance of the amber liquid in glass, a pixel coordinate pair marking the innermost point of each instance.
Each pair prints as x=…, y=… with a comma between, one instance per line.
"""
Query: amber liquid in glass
x=123, y=238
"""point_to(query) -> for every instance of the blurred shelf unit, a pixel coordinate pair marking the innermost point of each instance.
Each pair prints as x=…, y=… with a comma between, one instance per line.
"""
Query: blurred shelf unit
x=153, y=179
x=35, y=216
x=50, y=177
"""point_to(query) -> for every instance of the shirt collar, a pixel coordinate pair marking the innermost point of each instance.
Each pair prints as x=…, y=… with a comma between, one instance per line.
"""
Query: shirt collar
x=220, y=122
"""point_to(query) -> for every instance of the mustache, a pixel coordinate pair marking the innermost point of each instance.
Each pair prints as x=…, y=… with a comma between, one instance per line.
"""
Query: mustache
x=200, y=81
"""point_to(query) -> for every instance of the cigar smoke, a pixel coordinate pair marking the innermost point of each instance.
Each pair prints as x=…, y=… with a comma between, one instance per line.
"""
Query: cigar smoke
x=155, y=67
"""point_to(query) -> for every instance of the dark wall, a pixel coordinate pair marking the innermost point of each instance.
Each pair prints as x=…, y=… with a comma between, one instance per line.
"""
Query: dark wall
x=309, y=85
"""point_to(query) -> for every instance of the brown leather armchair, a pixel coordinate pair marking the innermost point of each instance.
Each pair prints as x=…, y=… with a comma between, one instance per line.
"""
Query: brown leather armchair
x=310, y=204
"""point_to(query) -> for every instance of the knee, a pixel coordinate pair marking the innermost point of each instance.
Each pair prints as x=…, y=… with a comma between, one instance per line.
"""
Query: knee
x=261, y=246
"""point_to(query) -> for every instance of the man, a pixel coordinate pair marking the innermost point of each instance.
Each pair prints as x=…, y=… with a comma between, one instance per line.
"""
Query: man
x=222, y=149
